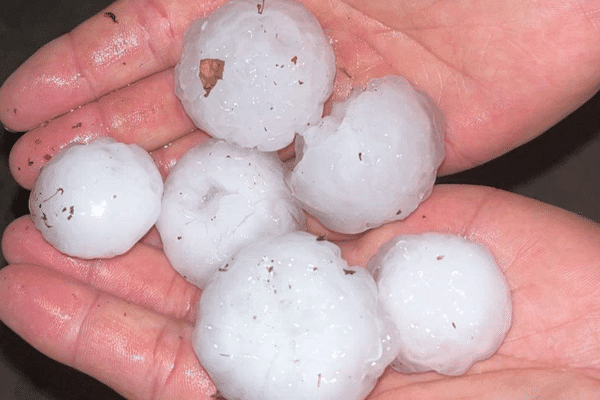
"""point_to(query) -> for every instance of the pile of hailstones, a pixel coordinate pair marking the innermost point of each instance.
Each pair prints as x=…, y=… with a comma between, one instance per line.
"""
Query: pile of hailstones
x=282, y=315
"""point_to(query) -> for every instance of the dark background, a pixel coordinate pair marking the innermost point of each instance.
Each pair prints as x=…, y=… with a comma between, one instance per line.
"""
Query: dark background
x=561, y=167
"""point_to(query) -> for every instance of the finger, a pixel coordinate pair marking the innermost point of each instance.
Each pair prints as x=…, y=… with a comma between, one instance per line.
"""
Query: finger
x=131, y=40
x=287, y=153
x=147, y=113
x=550, y=257
x=315, y=227
x=141, y=276
x=126, y=42
x=152, y=239
x=495, y=74
x=166, y=157
x=504, y=222
x=140, y=354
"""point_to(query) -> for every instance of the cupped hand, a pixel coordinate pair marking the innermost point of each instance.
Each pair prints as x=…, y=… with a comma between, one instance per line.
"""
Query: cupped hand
x=502, y=72
x=127, y=321
x=551, y=260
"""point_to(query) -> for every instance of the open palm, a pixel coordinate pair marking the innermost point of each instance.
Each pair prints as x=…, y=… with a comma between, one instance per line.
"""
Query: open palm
x=550, y=259
x=127, y=321
x=501, y=72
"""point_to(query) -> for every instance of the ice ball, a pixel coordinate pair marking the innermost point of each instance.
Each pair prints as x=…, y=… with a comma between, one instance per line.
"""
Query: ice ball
x=96, y=200
x=255, y=73
x=286, y=318
x=448, y=298
x=373, y=160
x=218, y=198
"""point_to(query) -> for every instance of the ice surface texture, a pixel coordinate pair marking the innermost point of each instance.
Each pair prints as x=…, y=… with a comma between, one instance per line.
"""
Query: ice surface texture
x=96, y=200
x=448, y=297
x=255, y=78
x=286, y=318
x=218, y=198
x=373, y=160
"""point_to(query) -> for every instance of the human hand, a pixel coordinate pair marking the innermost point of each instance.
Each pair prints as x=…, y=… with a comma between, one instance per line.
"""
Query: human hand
x=135, y=123
x=127, y=321
x=501, y=72
x=550, y=260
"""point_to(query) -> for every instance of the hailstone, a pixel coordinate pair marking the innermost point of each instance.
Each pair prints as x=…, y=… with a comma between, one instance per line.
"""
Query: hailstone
x=218, y=198
x=448, y=298
x=255, y=73
x=373, y=160
x=96, y=200
x=286, y=318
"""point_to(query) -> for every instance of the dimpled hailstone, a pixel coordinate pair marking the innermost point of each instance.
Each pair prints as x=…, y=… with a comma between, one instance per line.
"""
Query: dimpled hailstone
x=449, y=299
x=286, y=318
x=373, y=160
x=255, y=75
x=96, y=200
x=218, y=198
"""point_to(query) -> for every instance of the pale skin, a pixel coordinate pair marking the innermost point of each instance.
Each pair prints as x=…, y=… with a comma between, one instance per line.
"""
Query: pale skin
x=502, y=72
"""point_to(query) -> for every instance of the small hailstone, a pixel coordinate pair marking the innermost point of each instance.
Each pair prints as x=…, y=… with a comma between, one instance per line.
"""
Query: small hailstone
x=218, y=198
x=373, y=160
x=449, y=300
x=96, y=200
x=255, y=73
x=286, y=318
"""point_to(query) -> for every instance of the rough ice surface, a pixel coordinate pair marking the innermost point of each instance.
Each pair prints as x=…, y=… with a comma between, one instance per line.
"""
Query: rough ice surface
x=449, y=299
x=373, y=160
x=255, y=75
x=96, y=200
x=218, y=198
x=286, y=318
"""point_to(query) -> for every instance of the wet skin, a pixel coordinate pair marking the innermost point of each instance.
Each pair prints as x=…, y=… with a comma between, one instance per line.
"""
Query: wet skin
x=502, y=72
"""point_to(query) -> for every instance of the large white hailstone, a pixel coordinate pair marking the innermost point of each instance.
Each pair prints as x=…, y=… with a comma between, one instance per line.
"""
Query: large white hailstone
x=96, y=200
x=286, y=318
x=373, y=160
x=448, y=298
x=218, y=198
x=255, y=73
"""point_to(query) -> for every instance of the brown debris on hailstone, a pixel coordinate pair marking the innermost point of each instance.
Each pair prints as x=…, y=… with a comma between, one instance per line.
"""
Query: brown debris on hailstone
x=261, y=7
x=211, y=71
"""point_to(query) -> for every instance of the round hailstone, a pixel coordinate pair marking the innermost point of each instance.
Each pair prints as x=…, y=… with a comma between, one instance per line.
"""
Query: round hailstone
x=449, y=300
x=373, y=160
x=255, y=73
x=286, y=318
x=218, y=198
x=96, y=200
